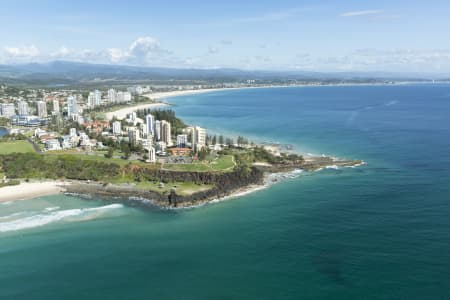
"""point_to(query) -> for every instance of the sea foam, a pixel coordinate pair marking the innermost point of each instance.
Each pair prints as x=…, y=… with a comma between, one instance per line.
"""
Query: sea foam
x=71, y=215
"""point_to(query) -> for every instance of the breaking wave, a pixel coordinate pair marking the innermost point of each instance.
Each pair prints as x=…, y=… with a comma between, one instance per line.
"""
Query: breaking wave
x=70, y=215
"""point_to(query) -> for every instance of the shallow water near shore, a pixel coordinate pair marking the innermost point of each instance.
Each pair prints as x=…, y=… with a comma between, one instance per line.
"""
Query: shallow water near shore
x=378, y=231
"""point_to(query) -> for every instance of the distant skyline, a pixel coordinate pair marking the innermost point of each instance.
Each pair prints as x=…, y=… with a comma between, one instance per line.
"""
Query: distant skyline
x=391, y=36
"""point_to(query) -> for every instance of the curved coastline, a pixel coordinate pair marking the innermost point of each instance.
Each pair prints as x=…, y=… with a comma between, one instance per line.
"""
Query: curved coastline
x=133, y=195
x=146, y=198
x=29, y=190
x=121, y=113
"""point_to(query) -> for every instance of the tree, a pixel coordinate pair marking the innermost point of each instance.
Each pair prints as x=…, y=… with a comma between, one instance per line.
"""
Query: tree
x=110, y=153
x=203, y=153
x=126, y=150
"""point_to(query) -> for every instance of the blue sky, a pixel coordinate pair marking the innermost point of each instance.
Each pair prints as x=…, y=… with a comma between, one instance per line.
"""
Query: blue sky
x=404, y=36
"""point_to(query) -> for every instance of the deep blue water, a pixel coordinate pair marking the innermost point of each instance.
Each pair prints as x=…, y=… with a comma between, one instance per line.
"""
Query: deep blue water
x=380, y=231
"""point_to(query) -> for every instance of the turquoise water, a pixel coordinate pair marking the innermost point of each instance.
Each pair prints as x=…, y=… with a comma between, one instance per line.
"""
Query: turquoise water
x=380, y=231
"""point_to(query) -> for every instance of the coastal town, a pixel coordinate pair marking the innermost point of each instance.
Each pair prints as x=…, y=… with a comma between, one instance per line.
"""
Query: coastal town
x=126, y=142
x=64, y=121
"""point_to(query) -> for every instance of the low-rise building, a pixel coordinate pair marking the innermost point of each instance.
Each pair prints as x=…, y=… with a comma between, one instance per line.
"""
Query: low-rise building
x=72, y=131
x=179, y=151
x=52, y=144
x=69, y=141
x=96, y=126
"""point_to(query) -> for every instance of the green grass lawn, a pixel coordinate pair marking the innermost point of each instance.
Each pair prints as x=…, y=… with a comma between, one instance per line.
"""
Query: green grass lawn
x=182, y=188
x=15, y=147
x=98, y=157
x=223, y=163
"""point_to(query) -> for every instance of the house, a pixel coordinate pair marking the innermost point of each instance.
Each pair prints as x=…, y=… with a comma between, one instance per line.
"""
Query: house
x=179, y=151
x=52, y=144
x=96, y=126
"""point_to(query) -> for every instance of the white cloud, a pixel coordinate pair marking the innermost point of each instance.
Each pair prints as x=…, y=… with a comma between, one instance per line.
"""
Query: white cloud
x=143, y=51
x=116, y=55
x=144, y=47
x=147, y=51
x=393, y=60
x=63, y=52
x=361, y=13
x=18, y=54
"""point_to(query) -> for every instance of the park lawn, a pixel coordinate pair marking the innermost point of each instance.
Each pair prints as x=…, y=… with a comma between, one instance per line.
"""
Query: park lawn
x=182, y=188
x=15, y=147
x=222, y=163
x=99, y=157
x=197, y=167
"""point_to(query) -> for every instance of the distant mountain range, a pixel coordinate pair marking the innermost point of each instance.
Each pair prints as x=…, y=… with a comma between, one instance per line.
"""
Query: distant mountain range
x=74, y=73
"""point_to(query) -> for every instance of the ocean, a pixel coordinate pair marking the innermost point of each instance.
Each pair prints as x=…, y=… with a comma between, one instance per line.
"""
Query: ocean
x=379, y=231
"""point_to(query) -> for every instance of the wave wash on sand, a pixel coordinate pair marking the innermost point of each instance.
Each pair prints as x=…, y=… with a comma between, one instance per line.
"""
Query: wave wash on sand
x=51, y=215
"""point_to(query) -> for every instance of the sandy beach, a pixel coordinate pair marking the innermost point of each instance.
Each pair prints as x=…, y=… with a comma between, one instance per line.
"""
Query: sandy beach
x=164, y=95
x=123, y=112
x=28, y=190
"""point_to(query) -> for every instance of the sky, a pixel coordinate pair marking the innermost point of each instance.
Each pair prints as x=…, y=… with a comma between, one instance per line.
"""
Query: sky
x=314, y=35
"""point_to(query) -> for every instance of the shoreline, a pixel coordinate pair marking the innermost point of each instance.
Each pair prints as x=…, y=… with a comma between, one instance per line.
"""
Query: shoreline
x=146, y=198
x=121, y=113
x=141, y=197
x=30, y=190
x=271, y=174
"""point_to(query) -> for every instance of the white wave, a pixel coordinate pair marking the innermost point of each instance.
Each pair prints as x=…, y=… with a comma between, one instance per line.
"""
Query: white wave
x=268, y=181
x=357, y=165
x=7, y=202
x=14, y=215
x=141, y=199
x=334, y=167
x=78, y=214
x=52, y=208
